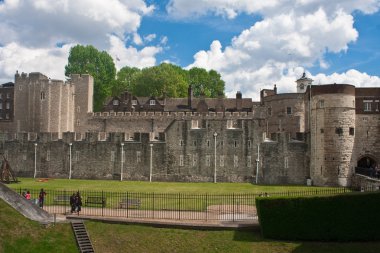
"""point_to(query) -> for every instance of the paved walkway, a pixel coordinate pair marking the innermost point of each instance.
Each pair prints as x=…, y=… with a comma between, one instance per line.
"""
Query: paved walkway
x=210, y=219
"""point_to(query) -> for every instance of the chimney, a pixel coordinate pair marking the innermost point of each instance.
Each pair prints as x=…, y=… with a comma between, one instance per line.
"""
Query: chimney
x=189, y=96
x=275, y=89
x=238, y=101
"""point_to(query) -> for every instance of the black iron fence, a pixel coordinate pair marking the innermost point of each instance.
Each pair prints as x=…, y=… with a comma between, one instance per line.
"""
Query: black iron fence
x=170, y=206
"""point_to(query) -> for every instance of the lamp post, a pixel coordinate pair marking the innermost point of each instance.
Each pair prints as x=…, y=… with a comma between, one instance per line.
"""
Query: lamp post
x=257, y=162
x=122, y=161
x=35, y=160
x=215, y=134
x=70, y=158
x=151, y=162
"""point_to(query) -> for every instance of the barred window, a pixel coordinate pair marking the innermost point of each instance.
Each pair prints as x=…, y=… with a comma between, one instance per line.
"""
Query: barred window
x=138, y=156
x=236, y=161
x=208, y=160
x=249, y=161
x=181, y=160
x=221, y=161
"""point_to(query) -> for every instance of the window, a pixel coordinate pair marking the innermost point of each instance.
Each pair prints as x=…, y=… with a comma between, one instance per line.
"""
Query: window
x=116, y=102
x=230, y=124
x=236, y=161
x=194, y=143
x=1, y=116
x=208, y=160
x=181, y=160
x=269, y=111
x=1, y=106
x=377, y=105
x=138, y=156
x=24, y=157
x=286, y=162
x=7, y=105
x=339, y=131
x=322, y=130
x=194, y=124
x=152, y=102
x=195, y=158
x=134, y=102
x=367, y=105
x=235, y=143
x=8, y=95
x=352, y=131
x=42, y=95
x=249, y=143
x=78, y=122
x=249, y=161
x=7, y=116
x=48, y=155
x=77, y=154
x=112, y=156
x=208, y=143
x=288, y=110
x=321, y=103
x=20, y=87
x=78, y=108
x=221, y=161
x=181, y=142
x=1, y=95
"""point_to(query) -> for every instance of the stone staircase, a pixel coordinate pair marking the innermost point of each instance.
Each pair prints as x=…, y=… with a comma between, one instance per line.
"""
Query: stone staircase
x=81, y=235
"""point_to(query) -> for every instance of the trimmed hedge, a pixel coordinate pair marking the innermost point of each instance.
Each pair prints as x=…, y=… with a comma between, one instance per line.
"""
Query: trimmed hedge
x=346, y=217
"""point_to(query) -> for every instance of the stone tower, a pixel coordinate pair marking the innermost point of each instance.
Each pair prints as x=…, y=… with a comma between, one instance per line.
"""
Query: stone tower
x=332, y=133
x=303, y=83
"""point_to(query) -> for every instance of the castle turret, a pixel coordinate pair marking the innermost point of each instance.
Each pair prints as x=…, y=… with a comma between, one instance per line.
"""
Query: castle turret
x=332, y=137
x=303, y=83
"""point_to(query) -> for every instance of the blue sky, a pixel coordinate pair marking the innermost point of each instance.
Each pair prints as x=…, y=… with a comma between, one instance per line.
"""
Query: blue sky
x=252, y=43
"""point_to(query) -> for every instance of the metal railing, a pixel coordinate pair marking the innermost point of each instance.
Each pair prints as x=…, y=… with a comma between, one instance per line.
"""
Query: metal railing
x=168, y=206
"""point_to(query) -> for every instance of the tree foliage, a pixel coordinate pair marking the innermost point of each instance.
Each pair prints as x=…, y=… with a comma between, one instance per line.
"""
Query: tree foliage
x=170, y=80
x=88, y=60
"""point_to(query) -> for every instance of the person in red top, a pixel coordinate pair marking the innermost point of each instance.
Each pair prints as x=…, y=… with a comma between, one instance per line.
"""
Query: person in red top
x=27, y=195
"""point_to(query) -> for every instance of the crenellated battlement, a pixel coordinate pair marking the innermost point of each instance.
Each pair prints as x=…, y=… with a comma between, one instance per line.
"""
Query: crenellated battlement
x=172, y=115
x=73, y=137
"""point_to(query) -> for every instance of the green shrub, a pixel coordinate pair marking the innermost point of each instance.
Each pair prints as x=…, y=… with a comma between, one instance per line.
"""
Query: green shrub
x=347, y=217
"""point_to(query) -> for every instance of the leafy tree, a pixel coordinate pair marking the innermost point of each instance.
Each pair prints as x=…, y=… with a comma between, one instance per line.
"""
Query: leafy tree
x=88, y=60
x=125, y=80
x=164, y=79
x=210, y=83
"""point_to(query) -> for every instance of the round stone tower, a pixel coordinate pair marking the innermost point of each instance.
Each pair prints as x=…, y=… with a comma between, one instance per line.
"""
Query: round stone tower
x=332, y=132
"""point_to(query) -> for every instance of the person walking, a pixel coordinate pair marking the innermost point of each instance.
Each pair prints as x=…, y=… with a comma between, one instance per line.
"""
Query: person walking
x=72, y=202
x=78, y=202
x=41, y=198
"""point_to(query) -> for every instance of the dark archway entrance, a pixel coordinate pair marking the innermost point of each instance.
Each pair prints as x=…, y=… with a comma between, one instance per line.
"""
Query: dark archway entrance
x=367, y=166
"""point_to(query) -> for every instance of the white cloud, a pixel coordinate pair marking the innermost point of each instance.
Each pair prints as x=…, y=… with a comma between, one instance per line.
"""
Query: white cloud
x=41, y=23
x=149, y=37
x=130, y=56
x=50, y=61
x=30, y=31
x=289, y=35
x=230, y=9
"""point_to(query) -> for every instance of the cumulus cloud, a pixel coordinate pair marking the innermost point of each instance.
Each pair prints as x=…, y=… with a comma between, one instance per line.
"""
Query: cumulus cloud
x=130, y=56
x=40, y=23
x=289, y=35
x=36, y=35
x=50, y=61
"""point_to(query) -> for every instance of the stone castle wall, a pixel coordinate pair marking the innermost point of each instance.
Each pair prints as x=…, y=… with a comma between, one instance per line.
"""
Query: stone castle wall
x=332, y=143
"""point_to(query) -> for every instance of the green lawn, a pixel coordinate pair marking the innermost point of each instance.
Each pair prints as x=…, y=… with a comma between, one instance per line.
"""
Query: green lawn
x=157, y=187
x=18, y=234
x=132, y=238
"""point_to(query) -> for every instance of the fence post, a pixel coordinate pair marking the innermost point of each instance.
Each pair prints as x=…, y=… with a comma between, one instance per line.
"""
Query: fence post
x=153, y=200
x=127, y=204
x=233, y=207
x=102, y=203
x=206, y=207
